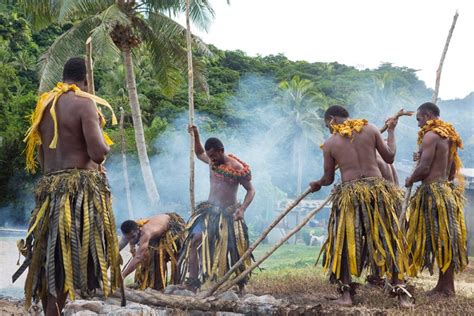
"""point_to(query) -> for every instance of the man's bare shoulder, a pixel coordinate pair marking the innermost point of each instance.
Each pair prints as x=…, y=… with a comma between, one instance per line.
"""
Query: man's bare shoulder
x=431, y=137
x=234, y=164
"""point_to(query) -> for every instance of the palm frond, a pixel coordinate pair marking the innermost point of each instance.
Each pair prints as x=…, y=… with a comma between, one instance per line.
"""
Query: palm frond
x=201, y=13
x=162, y=40
x=40, y=13
x=69, y=44
x=79, y=9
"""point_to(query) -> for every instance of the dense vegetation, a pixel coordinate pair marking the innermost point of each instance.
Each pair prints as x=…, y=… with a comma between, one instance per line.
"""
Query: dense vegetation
x=226, y=101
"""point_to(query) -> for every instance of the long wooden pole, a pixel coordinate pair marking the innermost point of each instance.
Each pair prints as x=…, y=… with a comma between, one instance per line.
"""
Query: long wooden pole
x=254, y=245
x=89, y=67
x=191, y=106
x=434, y=100
x=443, y=56
x=296, y=229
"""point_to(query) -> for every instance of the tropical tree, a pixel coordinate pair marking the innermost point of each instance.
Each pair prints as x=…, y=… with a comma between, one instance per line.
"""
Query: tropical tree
x=302, y=105
x=120, y=27
x=303, y=124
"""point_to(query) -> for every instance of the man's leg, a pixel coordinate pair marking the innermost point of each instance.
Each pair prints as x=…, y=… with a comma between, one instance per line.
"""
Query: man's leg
x=193, y=280
x=54, y=305
x=345, y=279
x=445, y=283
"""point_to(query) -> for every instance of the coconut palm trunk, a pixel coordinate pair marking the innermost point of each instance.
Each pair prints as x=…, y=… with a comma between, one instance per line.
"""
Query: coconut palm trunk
x=125, y=167
x=147, y=173
x=191, y=105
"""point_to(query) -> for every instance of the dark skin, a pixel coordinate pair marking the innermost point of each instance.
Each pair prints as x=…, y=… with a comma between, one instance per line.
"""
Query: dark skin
x=434, y=164
x=154, y=228
x=356, y=159
x=80, y=145
x=222, y=193
x=387, y=170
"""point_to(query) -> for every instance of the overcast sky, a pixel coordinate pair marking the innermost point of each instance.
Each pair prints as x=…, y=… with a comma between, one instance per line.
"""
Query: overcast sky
x=361, y=33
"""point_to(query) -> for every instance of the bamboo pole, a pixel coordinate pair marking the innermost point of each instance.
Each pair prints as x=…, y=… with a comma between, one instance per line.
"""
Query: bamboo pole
x=434, y=100
x=89, y=67
x=191, y=106
x=125, y=166
x=91, y=90
x=251, y=248
x=443, y=56
x=296, y=229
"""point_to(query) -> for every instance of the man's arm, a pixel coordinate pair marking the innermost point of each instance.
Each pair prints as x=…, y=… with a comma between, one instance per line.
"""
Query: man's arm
x=387, y=152
x=428, y=150
x=96, y=146
x=452, y=171
x=394, y=174
x=198, y=149
x=329, y=170
x=247, y=184
x=123, y=243
x=139, y=256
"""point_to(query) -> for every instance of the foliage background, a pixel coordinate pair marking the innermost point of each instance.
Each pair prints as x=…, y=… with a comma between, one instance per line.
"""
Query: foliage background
x=239, y=87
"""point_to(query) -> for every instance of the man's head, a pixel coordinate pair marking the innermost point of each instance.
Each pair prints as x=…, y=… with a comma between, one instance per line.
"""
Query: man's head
x=427, y=111
x=215, y=150
x=75, y=72
x=130, y=230
x=335, y=114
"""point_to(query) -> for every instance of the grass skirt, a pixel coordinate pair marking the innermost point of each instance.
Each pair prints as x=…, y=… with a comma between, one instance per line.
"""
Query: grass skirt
x=436, y=228
x=72, y=240
x=363, y=229
x=154, y=272
x=224, y=241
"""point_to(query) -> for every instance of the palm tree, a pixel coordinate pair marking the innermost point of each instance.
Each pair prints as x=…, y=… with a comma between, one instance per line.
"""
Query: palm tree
x=302, y=123
x=119, y=27
x=301, y=105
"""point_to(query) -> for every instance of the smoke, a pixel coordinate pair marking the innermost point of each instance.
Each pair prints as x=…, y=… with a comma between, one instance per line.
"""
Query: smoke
x=260, y=132
x=257, y=131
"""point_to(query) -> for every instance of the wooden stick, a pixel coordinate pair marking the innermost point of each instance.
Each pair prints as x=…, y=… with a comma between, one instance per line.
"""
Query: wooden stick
x=242, y=275
x=434, y=100
x=251, y=248
x=400, y=113
x=191, y=106
x=443, y=56
x=89, y=67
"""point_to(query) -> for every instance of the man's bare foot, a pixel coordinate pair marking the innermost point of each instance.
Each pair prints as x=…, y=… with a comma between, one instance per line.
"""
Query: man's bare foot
x=440, y=292
x=345, y=299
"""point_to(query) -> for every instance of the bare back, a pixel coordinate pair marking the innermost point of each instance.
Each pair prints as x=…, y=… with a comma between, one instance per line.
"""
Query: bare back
x=356, y=158
x=435, y=151
x=156, y=226
x=79, y=135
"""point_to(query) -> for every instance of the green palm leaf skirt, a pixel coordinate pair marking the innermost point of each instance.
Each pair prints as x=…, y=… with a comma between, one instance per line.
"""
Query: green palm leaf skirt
x=436, y=228
x=224, y=241
x=363, y=230
x=160, y=266
x=72, y=241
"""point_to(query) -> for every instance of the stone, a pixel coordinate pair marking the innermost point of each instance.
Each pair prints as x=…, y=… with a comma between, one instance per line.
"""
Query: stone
x=228, y=296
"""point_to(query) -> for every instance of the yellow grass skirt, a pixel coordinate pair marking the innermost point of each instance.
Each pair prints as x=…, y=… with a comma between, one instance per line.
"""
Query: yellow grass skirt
x=154, y=272
x=224, y=241
x=363, y=229
x=72, y=240
x=436, y=228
